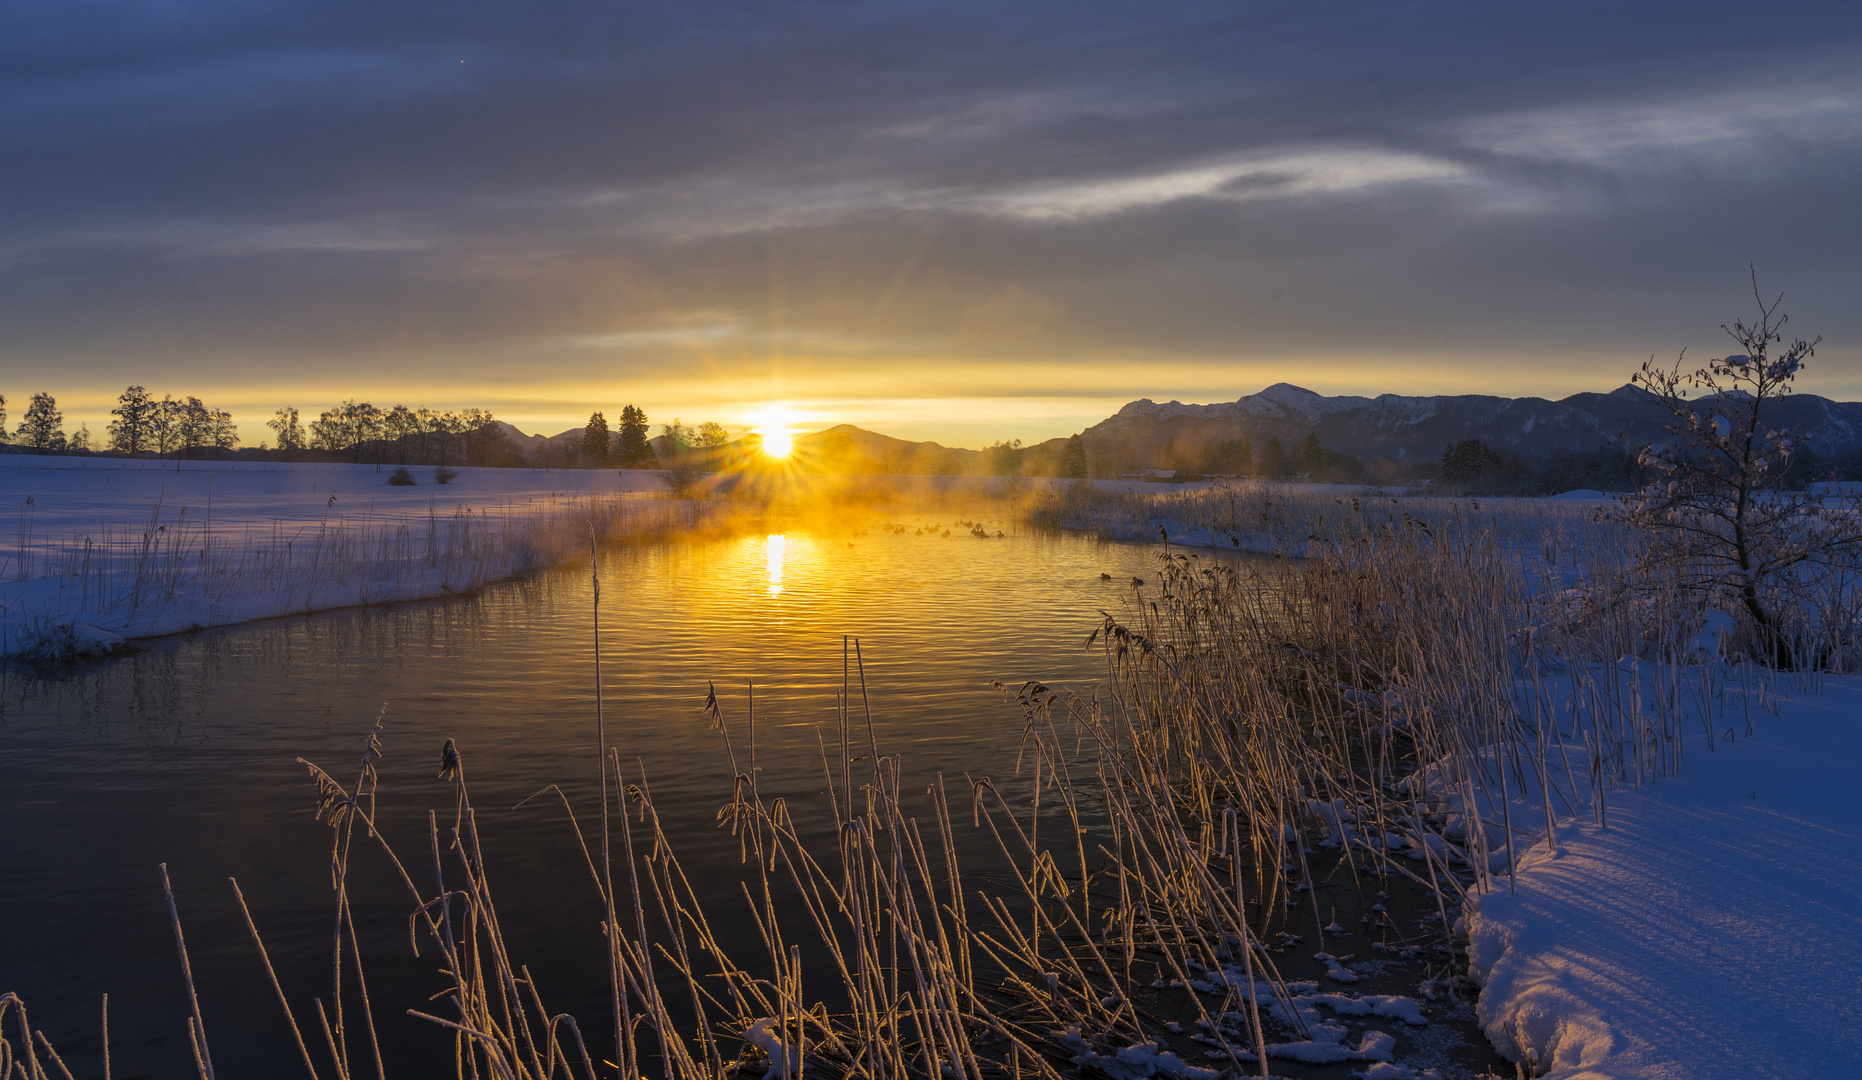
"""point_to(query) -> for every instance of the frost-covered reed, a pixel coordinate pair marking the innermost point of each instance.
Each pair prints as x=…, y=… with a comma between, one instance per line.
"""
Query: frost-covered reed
x=1251, y=515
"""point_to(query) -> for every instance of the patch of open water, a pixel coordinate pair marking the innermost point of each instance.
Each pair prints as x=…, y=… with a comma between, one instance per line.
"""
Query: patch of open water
x=185, y=753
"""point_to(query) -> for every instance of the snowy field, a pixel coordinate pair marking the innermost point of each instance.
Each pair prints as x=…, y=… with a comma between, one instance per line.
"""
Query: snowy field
x=74, y=496
x=1712, y=929
x=94, y=551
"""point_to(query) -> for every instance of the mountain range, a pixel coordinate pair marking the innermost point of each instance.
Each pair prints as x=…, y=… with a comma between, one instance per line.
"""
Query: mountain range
x=1399, y=431
x=1403, y=428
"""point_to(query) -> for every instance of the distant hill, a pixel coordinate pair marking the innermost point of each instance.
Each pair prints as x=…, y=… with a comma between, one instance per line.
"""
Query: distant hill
x=1407, y=430
x=845, y=448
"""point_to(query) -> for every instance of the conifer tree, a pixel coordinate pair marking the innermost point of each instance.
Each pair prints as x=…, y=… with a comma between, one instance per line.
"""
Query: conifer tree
x=595, y=440
x=1073, y=462
x=635, y=451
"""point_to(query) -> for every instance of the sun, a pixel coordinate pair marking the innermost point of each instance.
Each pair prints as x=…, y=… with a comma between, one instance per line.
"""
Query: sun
x=778, y=444
x=773, y=424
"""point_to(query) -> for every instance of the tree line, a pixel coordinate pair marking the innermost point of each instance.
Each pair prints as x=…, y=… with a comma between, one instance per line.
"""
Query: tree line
x=142, y=424
x=405, y=435
x=630, y=446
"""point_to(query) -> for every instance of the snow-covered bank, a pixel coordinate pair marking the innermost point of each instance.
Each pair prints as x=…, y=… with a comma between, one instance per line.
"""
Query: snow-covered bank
x=1712, y=929
x=104, y=550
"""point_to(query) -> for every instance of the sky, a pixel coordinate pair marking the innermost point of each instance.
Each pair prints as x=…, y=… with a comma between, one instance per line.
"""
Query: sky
x=949, y=220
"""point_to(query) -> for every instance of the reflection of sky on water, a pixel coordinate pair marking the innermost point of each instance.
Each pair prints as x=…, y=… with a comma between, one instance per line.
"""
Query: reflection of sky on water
x=185, y=753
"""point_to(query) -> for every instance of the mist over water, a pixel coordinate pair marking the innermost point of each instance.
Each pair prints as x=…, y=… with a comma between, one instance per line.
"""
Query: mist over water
x=185, y=753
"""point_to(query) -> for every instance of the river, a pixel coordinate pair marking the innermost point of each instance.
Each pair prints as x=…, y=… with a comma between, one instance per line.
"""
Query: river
x=185, y=753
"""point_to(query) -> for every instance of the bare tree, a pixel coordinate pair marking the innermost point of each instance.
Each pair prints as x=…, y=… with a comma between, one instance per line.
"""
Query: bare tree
x=683, y=474
x=224, y=433
x=402, y=425
x=193, y=426
x=130, y=432
x=1718, y=515
x=290, y=431
x=42, y=428
x=162, y=420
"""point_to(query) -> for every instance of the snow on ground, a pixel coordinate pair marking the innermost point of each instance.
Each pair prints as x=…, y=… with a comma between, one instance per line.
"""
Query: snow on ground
x=1713, y=929
x=97, y=550
x=75, y=496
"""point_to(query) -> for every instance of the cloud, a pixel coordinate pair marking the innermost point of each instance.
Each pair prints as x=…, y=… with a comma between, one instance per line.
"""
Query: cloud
x=810, y=197
x=1286, y=174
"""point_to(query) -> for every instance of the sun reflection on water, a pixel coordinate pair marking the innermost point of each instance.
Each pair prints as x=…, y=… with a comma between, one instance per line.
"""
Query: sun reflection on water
x=775, y=546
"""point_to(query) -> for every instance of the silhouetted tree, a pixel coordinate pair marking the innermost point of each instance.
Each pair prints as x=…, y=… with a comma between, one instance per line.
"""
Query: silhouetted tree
x=595, y=441
x=1073, y=460
x=81, y=440
x=193, y=426
x=290, y=432
x=635, y=451
x=1272, y=462
x=1310, y=455
x=445, y=429
x=677, y=436
x=683, y=473
x=347, y=427
x=401, y=426
x=1230, y=457
x=162, y=420
x=135, y=412
x=3, y=434
x=42, y=428
x=225, y=433
x=486, y=444
x=1466, y=461
x=1003, y=458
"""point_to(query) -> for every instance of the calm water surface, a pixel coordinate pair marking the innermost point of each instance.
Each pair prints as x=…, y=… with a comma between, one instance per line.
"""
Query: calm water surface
x=185, y=754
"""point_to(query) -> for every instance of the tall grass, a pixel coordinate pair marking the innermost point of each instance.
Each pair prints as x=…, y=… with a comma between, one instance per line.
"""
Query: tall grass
x=1251, y=515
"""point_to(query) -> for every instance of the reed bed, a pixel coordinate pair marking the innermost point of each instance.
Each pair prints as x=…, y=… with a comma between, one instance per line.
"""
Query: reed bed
x=1415, y=703
x=1252, y=515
